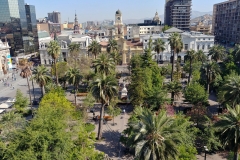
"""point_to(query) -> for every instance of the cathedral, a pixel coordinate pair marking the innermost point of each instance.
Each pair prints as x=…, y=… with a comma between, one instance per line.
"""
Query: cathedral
x=127, y=48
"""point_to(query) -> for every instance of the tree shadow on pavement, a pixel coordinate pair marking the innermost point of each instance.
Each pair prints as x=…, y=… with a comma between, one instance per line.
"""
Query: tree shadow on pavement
x=110, y=144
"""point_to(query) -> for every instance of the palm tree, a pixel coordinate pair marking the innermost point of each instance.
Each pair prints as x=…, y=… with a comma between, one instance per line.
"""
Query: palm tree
x=229, y=127
x=217, y=53
x=200, y=56
x=210, y=71
x=104, y=65
x=116, y=57
x=40, y=75
x=236, y=52
x=154, y=136
x=230, y=90
x=74, y=77
x=104, y=90
x=175, y=88
x=191, y=55
x=159, y=46
x=26, y=73
x=112, y=46
x=94, y=48
x=176, y=44
x=54, y=51
x=74, y=49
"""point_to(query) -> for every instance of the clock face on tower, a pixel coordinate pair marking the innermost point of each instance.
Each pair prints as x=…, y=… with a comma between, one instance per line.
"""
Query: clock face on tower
x=118, y=18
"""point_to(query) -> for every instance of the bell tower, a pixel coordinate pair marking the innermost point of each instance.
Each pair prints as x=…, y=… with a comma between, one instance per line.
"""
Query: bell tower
x=118, y=25
x=76, y=26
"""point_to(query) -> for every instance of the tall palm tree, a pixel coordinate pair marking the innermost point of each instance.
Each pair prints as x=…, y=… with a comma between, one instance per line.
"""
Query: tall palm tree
x=94, y=48
x=210, y=70
x=104, y=90
x=229, y=128
x=175, y=88
x=116, y=57
x=200, y=56
x=159, y=46
x=230, y=90
x=154, y=136
x=191, y=55
x=176, y=44
x=217, y=53
x=54, y=51
x=74, y=49
x=74, y=77
x=112, y=46
x=40, y=75
x=26, y=73
x=104, y=65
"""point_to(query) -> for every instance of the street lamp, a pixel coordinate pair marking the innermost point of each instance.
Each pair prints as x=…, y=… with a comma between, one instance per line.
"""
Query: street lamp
x=206, y=150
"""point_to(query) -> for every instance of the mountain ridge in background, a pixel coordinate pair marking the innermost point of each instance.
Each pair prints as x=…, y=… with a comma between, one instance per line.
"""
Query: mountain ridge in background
x=141, y=20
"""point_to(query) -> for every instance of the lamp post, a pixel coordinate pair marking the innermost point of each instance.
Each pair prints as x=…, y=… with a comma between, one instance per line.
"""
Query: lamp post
x=206, y=150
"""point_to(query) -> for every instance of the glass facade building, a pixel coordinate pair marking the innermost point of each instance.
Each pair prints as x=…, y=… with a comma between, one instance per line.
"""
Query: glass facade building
x=32, y=27
x=14, y=26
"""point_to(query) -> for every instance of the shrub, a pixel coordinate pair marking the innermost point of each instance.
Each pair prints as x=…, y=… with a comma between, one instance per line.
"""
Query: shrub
x=89, y=127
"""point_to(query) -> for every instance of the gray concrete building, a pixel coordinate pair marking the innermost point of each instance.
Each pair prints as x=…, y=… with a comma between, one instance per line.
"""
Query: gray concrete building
x=54, y=17
x=178, y=14
x=226, y=22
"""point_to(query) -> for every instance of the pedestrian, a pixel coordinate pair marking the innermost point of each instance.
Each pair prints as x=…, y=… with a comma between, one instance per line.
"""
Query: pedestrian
x=124, y=111
x=12, y=87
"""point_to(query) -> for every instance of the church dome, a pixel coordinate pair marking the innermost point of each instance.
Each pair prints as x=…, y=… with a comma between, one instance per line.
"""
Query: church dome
x=118, y=12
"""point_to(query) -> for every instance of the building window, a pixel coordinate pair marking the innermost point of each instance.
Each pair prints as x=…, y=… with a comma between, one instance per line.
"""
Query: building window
x=186, y=46
x=209, y=46
x=199, y=39
x=203, y=46
x=129, y=32
x=145, y=40
x=204, y=39
x=197, y=47
x=209, y=39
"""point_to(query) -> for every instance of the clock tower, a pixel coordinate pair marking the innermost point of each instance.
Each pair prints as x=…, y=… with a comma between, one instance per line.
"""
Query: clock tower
x=118, y=25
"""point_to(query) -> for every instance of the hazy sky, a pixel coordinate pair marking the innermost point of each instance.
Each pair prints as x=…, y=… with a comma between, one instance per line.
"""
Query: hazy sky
x=105, y=9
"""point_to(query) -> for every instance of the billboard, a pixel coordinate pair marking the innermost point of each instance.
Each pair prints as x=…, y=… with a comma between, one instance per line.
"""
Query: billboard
x=9, y=61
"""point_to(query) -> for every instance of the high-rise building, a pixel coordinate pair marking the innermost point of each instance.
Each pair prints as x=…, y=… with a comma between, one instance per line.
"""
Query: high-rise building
x=178, y=14
x=54, y=17
x=13, y=25
x=226, y=22
x=32, y=26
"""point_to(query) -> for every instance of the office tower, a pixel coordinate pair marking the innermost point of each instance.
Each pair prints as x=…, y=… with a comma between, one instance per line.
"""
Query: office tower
x=13, y=25
x=178, y=14
x=54, y=17
x=226, y=22
x=32, y=26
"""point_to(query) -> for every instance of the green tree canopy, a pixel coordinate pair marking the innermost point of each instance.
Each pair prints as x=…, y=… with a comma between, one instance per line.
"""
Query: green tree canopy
x=195, y=94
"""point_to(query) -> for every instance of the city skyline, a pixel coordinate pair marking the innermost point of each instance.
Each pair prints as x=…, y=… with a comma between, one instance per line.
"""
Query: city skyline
x=105, y=9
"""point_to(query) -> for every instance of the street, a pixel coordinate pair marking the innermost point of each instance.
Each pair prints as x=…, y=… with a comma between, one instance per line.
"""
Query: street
x=7, y=91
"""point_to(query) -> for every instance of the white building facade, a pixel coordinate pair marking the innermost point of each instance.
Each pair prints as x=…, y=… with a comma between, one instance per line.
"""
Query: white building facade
x=191, y=40
x=5, y=58
x=135, y=31
x=64, y=41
